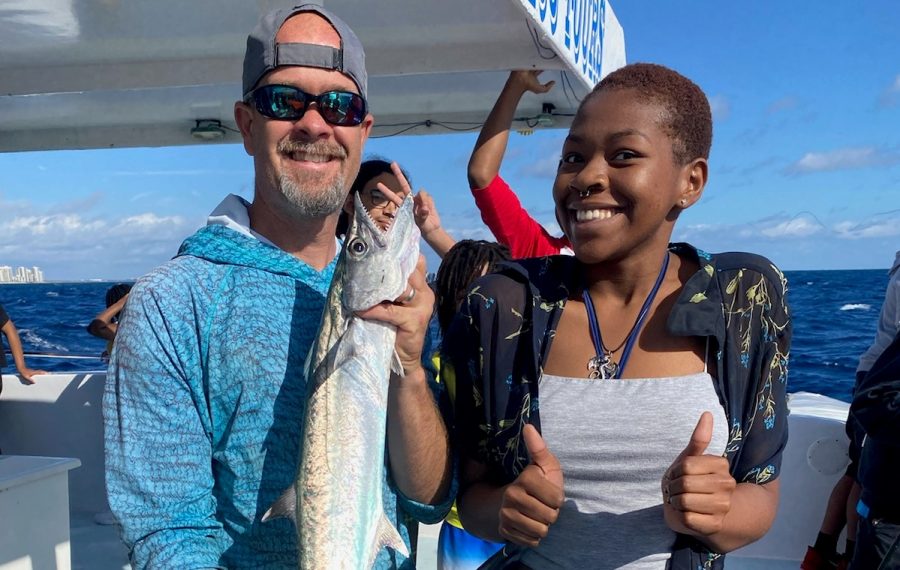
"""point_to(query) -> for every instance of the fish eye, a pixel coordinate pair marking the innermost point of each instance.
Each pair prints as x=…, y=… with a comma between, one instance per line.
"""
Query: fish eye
x=358, y=246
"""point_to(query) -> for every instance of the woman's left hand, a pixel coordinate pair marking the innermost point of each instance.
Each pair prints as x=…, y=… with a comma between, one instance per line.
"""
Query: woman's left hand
x=697, y=488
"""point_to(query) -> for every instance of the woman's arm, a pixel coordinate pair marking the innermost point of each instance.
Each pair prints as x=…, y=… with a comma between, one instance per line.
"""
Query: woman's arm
x=702, y=499
x=103, y=326
x=484, y=164
x=15, y=347
x=520, y=512
x=429, y=223
x=701, y=496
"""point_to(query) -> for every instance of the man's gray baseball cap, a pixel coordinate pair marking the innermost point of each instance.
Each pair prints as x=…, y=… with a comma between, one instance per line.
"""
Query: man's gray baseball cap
x=264, y=55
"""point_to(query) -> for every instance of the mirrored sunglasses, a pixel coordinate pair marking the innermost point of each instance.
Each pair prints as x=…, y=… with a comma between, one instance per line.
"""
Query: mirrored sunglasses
x=286, y=103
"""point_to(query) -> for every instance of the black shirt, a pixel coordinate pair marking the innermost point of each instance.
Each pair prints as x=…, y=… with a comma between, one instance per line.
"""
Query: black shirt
x=876, y=406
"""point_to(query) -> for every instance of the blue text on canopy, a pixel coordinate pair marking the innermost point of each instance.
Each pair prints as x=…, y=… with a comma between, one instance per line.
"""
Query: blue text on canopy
x=582, y=34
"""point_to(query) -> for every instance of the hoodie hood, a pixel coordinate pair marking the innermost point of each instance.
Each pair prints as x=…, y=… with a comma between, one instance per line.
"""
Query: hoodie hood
x=222, y=245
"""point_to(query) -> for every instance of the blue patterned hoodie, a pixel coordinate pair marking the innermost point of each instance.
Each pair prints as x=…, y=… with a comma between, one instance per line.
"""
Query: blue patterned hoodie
x=204, y=407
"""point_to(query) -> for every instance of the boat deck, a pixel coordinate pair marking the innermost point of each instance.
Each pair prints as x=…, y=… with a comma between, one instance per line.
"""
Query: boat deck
x=38, y=420
x=98, y=546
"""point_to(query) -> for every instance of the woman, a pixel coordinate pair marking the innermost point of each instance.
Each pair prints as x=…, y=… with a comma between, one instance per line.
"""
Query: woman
x=625, y=407
x=466, y=261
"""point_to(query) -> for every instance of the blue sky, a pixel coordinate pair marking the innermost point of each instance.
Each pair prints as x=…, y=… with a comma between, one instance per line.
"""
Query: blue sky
x=805, y=166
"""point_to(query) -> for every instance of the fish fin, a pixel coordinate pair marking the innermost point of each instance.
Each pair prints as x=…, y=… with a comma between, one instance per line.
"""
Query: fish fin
x=284, y=506
x=396, y=364
x=388, y=536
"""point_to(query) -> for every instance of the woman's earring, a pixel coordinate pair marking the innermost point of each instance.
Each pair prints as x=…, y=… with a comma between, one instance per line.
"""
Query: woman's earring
x=683, y=202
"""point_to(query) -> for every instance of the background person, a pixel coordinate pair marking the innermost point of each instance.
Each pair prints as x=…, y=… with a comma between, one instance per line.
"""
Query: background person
x=841, y=507
x=8, y=328
x=106, y=323
x=625, y=405
x=500, y=208
x=876, y=408
x=204, y=401
x=375, y=175
x=466, y=261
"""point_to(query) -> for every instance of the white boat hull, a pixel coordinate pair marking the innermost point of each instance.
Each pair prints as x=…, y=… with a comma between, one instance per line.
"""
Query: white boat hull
x=60, y=416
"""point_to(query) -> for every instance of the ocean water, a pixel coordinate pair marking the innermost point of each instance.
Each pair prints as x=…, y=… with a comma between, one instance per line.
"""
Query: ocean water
x=835, y=315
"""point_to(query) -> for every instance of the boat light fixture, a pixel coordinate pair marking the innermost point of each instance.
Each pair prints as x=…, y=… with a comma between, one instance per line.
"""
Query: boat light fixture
x=208, y=130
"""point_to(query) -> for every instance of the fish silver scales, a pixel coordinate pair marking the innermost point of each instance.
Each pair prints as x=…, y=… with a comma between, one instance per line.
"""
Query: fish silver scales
x=337, y=498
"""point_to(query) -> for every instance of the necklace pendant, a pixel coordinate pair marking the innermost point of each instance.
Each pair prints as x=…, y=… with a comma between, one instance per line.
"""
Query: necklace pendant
x=609, y=368
x=602, y=367
x=593, y=366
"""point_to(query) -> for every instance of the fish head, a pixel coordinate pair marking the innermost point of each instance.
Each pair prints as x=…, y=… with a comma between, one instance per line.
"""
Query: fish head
x=378, y=262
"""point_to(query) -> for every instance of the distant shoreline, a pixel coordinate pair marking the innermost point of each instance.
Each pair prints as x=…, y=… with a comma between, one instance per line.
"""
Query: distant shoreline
x=72, y=282
x=134, y=279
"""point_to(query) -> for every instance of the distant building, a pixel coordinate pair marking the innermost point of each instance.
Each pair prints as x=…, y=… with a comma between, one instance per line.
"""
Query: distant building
x=21, y=274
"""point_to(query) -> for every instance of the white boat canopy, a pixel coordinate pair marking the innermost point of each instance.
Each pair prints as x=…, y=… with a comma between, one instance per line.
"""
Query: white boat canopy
x=112, y=73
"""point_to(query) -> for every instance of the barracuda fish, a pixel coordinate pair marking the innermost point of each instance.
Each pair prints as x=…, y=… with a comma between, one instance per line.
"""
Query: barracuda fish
x=336, y=500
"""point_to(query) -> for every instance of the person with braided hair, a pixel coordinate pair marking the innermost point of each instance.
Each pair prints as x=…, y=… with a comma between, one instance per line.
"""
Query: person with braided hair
x=465, y=262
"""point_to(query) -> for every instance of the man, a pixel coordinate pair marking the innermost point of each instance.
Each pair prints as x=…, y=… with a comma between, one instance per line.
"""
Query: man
x=876, y=406
x=205, y=397
x=8, y=328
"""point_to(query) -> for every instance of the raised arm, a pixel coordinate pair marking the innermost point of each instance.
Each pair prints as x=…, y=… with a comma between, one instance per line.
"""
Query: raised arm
x=429, y=223
x=102, y=325
x=484, y=165
x=729, y=506
x=15, y=347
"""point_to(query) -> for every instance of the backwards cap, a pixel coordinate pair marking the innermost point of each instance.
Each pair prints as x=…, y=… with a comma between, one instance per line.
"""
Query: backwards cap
x=264, y=55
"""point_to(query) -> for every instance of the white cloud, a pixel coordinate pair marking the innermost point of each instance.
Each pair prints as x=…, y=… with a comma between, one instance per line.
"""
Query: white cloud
x=843, y=159
x=58, y=225
x=880, y=226
x=800, y=227
x=797, y=227
x=73, y=245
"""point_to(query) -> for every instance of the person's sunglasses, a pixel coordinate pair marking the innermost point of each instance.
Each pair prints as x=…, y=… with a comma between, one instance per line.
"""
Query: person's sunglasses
x=286, y=103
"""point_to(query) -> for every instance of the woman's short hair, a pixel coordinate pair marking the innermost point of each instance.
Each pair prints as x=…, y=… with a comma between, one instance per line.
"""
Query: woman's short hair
x=689, y=118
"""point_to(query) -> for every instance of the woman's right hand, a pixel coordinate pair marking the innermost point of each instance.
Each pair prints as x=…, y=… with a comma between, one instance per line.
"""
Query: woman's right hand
x=531, y=503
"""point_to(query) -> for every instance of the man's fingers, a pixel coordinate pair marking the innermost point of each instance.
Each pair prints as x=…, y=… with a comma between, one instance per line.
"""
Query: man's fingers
x=537, y=448
x=690, y=470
